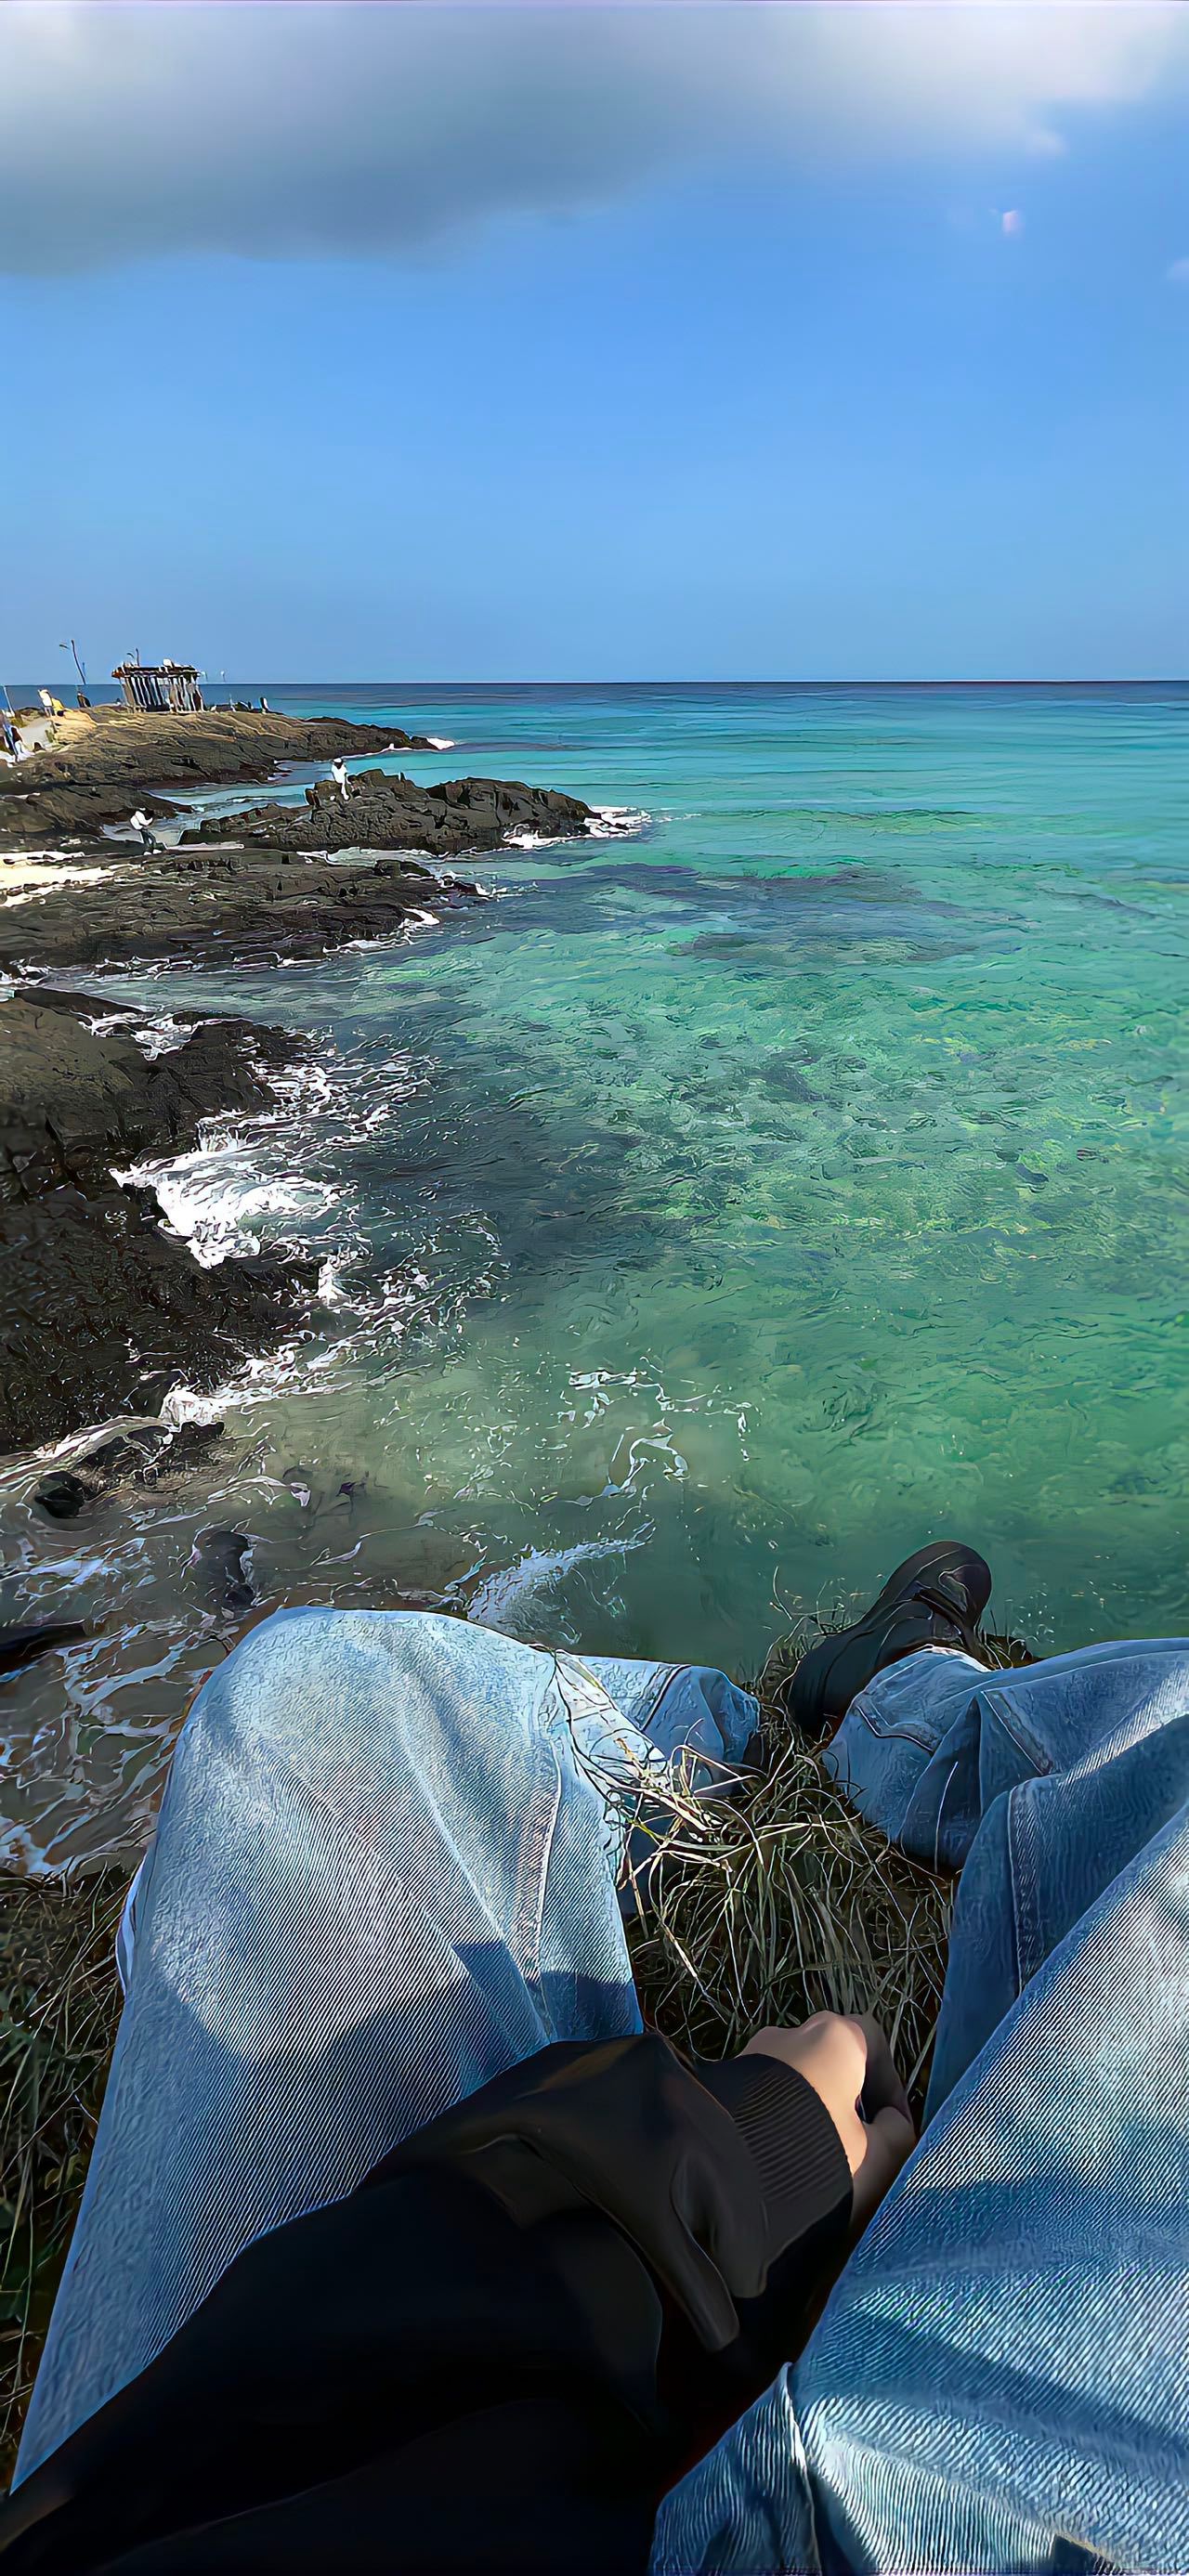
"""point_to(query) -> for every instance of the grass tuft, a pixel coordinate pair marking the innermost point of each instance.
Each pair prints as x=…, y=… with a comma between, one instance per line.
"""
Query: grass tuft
x=59, y=2005
x=778, y=1901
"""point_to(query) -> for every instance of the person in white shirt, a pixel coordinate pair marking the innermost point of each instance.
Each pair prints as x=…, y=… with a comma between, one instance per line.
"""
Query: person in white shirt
x=143, y=823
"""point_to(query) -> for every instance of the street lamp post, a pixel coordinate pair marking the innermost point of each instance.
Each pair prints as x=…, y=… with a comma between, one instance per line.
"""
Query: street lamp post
x=81, y=669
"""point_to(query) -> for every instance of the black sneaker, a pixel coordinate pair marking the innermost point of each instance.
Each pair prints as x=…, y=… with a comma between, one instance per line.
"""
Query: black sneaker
x=936, y=1598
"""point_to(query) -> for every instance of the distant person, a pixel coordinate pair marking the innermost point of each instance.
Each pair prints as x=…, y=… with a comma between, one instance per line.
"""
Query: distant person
x=338, y=771
x=143, y=823
x=46, y=700
x=9, y=732
x=264, y=709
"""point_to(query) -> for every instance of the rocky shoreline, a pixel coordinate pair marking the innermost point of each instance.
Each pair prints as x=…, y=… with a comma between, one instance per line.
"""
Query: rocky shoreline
x=103, y=1309
x=252, y=885
x=233, y=906
x=112, y=760
x=384, y=810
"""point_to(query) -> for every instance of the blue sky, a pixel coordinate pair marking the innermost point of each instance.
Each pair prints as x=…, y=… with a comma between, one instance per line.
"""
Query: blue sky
x=621, y=343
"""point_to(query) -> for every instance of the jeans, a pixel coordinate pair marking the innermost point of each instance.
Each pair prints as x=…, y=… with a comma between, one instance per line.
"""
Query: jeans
x=1000, y=2379
x=384, y=1872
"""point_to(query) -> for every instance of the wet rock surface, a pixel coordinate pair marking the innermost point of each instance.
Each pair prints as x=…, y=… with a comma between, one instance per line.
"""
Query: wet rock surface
x=219, y=907
x=112, y=761
x=74, y=1100
x=384, y=810
x=101, y=1309
x=142, y=1454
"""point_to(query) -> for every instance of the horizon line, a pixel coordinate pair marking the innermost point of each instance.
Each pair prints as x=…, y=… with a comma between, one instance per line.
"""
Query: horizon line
x=1140, y=680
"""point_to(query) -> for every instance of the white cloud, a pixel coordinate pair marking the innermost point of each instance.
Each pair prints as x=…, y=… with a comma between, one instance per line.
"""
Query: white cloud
x=1011, y=221
x=278, y=132
x=1178, y=271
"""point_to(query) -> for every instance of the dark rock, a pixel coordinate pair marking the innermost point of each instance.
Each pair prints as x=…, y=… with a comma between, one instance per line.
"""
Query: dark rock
x=383, y=810
x=187, y=1447
x=63, y=1496
x=19, y=1646
x=222, y=1557
x=219, y=906
x=114, y=761
x=148, y=1453
x=88, y=1277
x=73, y=1103
x=97, y=1278
x=253, y=886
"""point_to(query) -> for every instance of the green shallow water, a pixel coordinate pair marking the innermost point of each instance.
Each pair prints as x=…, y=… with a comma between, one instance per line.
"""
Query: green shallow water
x=727, y=1209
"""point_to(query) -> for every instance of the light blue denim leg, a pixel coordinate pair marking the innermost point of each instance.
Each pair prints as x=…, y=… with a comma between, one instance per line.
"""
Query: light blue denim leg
x=383, y=1873
x=1001, y=2378
x=925, y=1750
x=681, y=1707
x=1042, y=1855
x=1003, y=2381
x=1045, y=1783
x=1000, y=2381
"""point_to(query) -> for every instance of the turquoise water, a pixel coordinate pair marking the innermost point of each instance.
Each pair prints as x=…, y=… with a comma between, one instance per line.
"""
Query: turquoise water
x=726, y=1209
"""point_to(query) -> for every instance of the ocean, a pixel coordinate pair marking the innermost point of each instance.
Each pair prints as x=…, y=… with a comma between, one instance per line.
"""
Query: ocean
x=703, y=1221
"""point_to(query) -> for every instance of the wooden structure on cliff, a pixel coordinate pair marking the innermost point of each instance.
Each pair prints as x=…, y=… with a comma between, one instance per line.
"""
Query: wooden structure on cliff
x=159, y=688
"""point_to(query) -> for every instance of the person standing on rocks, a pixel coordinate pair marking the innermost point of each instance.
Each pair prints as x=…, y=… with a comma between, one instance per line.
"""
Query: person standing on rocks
x=143, y=823
x=338, y=771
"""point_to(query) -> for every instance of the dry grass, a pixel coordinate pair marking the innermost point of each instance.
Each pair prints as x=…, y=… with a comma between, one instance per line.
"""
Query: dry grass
x=59, y=2004
x=778, y=1901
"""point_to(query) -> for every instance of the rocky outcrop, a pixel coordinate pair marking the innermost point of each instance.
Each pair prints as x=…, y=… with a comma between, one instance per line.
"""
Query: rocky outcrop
x=112, y=760
x=72, y=1101
x=101, y=1310
x=384, y=810
x=52, y=817
x=218, y=906
x=143, y=1454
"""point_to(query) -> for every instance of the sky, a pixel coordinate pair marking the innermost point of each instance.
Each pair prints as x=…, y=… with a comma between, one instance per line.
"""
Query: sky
x=355, y=342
